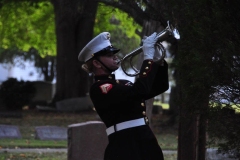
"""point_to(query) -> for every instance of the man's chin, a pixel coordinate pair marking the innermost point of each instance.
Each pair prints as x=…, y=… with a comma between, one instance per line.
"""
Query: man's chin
x=116, y=68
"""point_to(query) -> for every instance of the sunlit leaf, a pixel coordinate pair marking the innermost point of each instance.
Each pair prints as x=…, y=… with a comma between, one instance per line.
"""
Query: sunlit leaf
x=24, y=25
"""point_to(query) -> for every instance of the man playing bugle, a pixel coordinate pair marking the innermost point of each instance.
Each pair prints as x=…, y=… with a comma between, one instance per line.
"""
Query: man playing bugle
x=121, y=103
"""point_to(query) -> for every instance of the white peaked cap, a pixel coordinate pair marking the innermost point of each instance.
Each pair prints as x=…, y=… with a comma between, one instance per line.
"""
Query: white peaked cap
x=98, y=43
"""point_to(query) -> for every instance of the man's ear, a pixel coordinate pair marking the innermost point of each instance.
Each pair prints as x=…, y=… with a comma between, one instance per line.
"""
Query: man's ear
x=97, y=64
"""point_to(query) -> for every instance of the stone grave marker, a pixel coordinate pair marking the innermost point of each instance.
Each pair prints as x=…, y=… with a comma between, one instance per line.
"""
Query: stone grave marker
x=74, y=104
x=51, y=133
x=44, y=91
x=9, y=131
x=87, y=141
x=10, y=114
x=212, y=154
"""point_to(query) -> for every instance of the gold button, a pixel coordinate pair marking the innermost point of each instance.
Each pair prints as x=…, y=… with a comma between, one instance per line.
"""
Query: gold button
x=110, y=77
x=142, y=104
x=144, y=73
x=144, y=113
x=92, y=55
x=117, y=81
x=149, y=62
x=146, y=68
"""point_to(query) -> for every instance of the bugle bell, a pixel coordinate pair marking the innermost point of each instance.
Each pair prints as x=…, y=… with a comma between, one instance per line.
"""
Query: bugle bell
x=162, y=36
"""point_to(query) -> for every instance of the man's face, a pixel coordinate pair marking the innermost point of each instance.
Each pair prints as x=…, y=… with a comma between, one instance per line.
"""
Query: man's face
x=110, y=60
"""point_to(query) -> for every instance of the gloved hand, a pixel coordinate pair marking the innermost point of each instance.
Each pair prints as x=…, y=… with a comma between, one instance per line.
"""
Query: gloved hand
x=148, y=46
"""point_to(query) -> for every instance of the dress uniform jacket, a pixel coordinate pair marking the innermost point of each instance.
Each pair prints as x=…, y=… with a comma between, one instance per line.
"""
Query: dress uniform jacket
x=119, y=101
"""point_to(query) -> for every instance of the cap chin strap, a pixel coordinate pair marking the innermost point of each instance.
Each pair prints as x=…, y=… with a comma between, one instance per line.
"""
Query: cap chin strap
x=104, y=65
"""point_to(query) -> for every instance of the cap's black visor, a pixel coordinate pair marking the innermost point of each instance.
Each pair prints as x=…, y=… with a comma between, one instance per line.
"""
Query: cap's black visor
x=109, y=49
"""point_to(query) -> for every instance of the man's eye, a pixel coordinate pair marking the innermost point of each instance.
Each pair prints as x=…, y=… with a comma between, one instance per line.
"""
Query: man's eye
x=109, y=55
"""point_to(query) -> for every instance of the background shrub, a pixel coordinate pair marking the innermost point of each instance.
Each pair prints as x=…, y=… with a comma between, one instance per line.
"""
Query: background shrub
x=15, y=94
x=224, y=130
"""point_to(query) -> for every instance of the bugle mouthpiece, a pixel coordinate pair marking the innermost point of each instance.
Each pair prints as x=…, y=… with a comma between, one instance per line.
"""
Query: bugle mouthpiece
x=119, y=61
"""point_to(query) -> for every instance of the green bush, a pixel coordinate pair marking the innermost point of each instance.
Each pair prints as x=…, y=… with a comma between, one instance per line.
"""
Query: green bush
x=15, y=94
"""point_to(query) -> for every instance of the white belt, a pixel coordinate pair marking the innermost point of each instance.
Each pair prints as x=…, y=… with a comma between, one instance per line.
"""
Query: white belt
x=125, y=125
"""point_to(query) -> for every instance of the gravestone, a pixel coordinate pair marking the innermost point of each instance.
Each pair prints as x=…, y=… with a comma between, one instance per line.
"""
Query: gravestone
x=10, y=114
x=87, y=141
x=51, y=133
x=75, y=104
x=2, y=105
x=45, y=108
x=212, y=154
x=9, y=131
x=44, y=91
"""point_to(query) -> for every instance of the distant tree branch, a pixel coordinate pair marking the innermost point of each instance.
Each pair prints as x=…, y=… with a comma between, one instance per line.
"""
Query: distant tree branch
x=139, y=12
x=129, y=7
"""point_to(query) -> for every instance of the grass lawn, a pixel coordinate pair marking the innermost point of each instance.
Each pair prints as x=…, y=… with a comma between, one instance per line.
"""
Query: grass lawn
x=164, y=105
x=33, y=156
x=31, y=143
x=167, y=138
x=52, y=156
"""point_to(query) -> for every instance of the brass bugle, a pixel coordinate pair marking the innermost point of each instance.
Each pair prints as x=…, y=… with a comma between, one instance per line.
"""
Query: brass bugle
x=162, y=36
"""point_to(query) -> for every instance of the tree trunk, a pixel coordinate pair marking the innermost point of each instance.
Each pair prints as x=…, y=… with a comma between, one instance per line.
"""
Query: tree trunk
x=173, y=106
x=74, y=22
x=192, y=127
x=186, y=136
x=149, y=104
x=191, y=136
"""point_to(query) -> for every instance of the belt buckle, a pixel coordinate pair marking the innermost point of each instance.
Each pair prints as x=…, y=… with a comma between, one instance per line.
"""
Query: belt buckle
x=115, y=128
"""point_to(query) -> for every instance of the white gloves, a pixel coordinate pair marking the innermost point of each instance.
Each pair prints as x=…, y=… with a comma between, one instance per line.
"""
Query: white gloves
x=148, y=46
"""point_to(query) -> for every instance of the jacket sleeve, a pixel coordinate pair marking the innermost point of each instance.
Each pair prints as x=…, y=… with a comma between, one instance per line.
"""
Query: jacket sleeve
x=161, y=82
x=109, y=90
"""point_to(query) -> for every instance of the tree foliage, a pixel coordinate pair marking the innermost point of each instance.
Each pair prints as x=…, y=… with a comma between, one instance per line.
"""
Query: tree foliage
x=121, y=26
x=25, y=25
x=207, y=62
x=28, y=33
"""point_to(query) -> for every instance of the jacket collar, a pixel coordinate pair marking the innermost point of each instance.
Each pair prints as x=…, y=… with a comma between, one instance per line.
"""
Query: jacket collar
x=105, y=77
